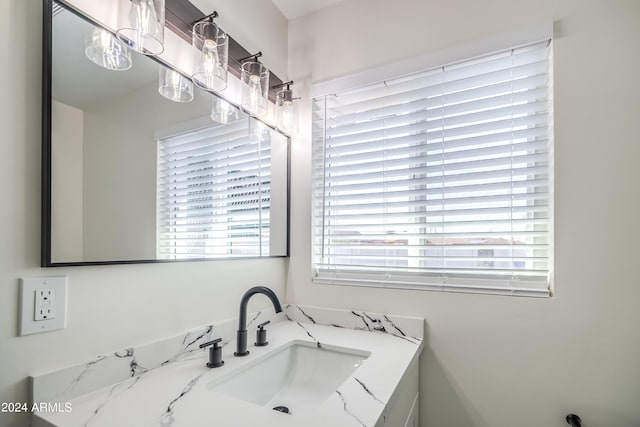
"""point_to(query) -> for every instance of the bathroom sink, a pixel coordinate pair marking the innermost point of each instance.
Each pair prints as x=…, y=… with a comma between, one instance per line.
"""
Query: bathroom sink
x=298, y=377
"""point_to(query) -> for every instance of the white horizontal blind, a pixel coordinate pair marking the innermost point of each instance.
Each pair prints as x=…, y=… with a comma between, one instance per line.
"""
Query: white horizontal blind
x=214, y=193
x=438, y=180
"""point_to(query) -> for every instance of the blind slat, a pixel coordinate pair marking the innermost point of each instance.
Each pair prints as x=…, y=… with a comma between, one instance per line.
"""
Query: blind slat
x=439, y=179
x=213, y=193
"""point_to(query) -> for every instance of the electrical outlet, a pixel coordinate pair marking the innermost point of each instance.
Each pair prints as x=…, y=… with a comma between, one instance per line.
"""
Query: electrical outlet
x=43, y=304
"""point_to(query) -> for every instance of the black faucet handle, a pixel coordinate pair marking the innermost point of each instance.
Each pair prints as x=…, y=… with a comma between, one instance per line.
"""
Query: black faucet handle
x=261, y=335
x=213, y=343
x=215, y=353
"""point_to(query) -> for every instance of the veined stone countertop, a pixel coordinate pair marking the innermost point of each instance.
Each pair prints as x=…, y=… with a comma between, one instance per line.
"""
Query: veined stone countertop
x=176, y=392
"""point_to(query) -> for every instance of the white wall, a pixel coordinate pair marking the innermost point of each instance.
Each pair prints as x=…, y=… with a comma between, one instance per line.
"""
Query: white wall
x=109, y=307
x=120, y=170
x=67, y=127
x=502, y=361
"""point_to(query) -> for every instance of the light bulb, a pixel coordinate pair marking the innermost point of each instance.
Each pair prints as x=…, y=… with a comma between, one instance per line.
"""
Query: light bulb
x=286, y=111
x=287, y=115
x=255, y=79
x=174, y=79
x=141, y=16
x=210, y=56
x=255, y=93
x=210, y=61
x=109, y=49
x=258, y=129
x=174, y=86
x=104, y=40
x=222, y=111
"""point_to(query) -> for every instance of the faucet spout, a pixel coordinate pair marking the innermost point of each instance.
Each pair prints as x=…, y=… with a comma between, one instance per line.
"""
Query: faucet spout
x=242, y=327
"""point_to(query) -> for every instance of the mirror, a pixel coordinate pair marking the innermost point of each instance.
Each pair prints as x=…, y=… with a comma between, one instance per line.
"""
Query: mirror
x=130, y=176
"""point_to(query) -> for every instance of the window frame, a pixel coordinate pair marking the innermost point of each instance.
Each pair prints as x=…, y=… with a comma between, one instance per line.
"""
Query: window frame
x=452, y=283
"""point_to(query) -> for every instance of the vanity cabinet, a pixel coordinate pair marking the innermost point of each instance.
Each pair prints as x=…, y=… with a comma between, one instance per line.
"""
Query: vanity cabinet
x=403, y=409
x=350, y=376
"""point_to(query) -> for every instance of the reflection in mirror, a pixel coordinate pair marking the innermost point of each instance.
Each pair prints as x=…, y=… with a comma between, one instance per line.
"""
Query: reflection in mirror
x=146, y=166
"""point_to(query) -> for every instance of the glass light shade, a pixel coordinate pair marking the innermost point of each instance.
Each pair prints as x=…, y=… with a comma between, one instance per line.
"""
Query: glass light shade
x=222, y=111
x=286, y=111
x=255, y=87
x=211, y=55
x=105, y=50
x=141, y=25
x=174, y=86
x=258, y=130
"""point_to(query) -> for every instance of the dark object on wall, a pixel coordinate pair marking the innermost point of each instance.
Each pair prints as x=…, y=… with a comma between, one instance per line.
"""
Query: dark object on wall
x=574, y=420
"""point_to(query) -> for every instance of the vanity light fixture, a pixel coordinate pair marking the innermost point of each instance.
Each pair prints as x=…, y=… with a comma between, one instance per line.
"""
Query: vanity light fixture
x=286, y=108
x=222, y=111
x=211, y=54
x=255, y=85
x=141, y=25
x=173, y=85
x=105, y=50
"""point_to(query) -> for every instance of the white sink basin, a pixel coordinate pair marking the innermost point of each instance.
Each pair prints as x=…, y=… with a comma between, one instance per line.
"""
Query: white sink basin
x=300, y=376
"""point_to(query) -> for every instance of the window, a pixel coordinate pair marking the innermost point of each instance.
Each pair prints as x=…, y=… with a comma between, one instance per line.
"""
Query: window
x=214, y=192
x=438, y=180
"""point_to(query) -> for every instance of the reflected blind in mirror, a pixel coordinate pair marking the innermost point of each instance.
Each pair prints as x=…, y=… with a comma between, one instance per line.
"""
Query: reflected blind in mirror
x=214, y=192
x=438, y=180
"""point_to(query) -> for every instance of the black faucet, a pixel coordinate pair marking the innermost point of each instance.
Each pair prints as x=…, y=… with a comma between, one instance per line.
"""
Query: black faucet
x=242, y=328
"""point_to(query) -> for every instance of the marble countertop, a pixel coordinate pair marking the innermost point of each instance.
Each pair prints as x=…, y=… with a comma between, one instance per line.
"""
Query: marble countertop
x=178, y=394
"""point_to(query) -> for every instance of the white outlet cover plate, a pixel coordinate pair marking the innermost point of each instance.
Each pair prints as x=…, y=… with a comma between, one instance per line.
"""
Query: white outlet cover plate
x=28, y=288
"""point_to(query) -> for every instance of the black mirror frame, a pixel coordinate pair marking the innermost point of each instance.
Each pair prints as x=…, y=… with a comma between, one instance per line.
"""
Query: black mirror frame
x=46, y=167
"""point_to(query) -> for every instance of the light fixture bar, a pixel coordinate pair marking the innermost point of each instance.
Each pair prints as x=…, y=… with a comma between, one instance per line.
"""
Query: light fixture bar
x=253, y=57
x=180, y=16
x=209, y=18
x=281, y=85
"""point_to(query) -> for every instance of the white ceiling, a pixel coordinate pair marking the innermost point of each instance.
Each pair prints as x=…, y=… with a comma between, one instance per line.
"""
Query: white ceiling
x=293, y=9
